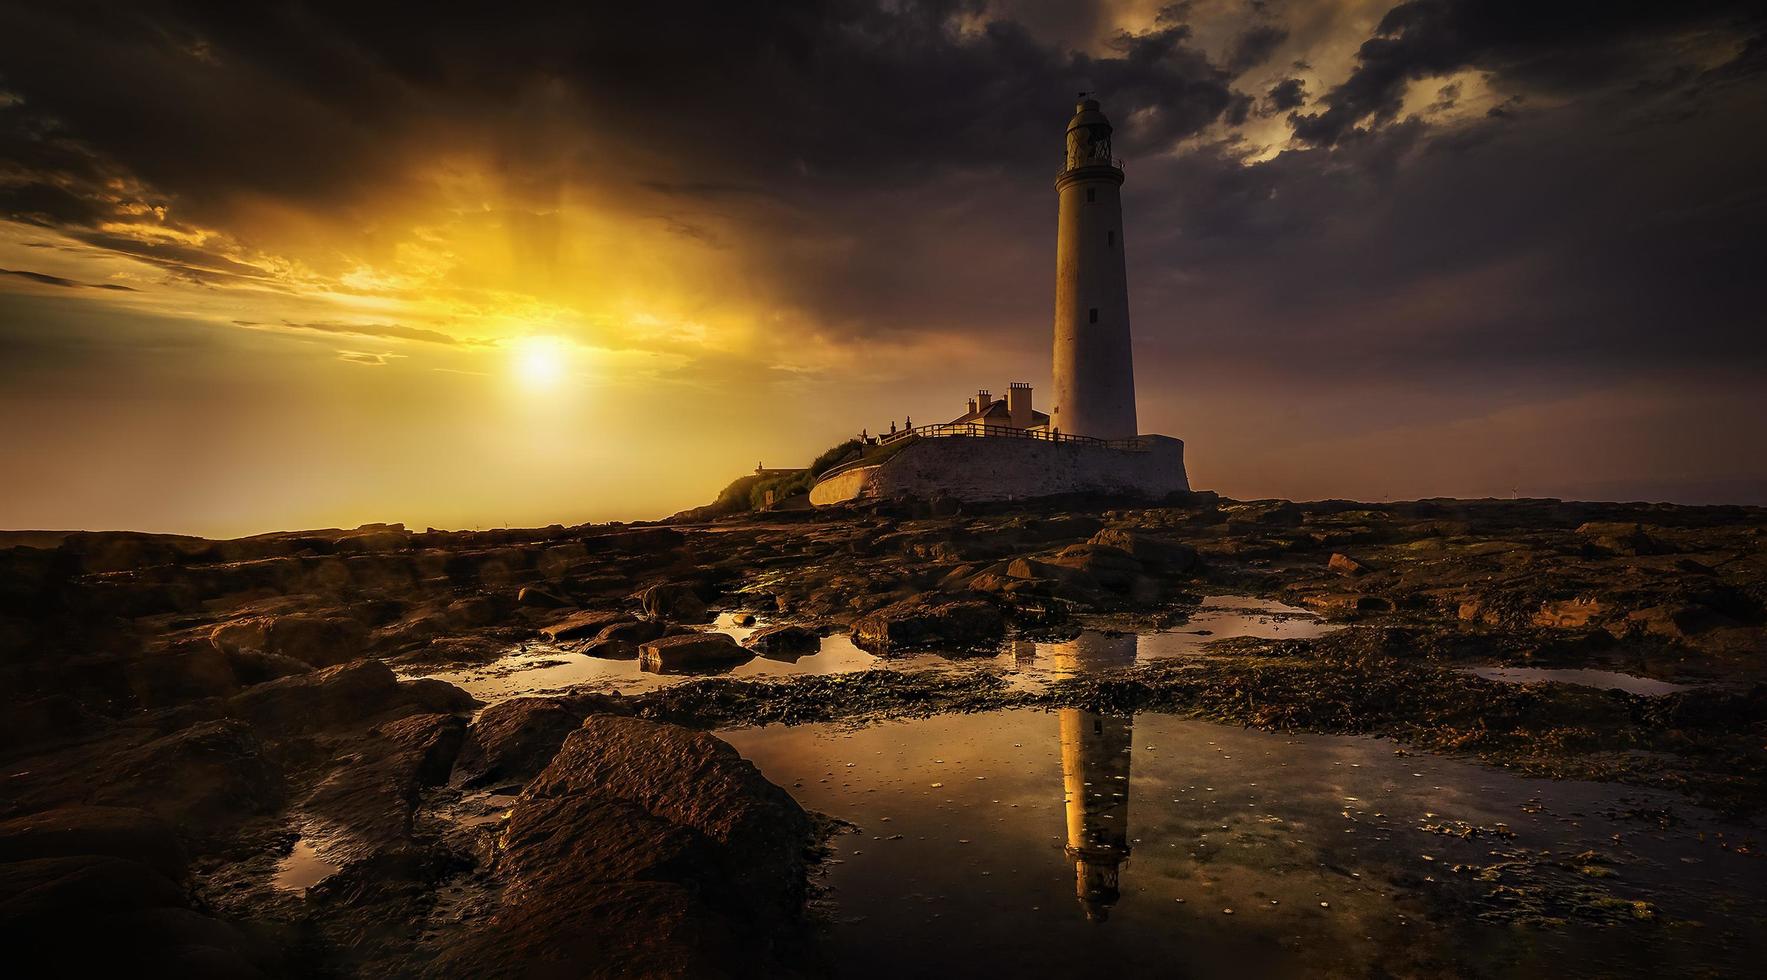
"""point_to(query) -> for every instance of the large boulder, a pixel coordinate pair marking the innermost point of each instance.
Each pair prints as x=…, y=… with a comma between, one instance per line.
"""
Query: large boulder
x=632, y=631
x=784, y=642
x=369, y=798
x=582, y=625
x=514, y=740
x=676, y=603
x=611, y=649
x=319, y=640
x=686, y=652
x=552, y=843
x=692, y=780
x=1076, y=580
x=931, y=620
x=1151, y=551
x=436, y=695
x=642, y=850
x=338, y=696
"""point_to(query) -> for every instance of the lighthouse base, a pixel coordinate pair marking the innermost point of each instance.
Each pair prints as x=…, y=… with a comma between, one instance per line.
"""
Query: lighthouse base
x=989, y=468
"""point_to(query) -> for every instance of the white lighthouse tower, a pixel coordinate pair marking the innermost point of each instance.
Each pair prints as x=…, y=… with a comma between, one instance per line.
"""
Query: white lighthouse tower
x=1094, y=370
x=1002, y=448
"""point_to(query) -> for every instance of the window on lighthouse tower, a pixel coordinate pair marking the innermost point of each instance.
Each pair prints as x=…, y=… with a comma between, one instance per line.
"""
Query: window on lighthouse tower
x=1092, y=315
x=1091, y=195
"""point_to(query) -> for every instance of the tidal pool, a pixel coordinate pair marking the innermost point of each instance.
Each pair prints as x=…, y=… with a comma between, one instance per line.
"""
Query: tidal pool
x=1021, y=843
x=535, y=668
x=303, y=867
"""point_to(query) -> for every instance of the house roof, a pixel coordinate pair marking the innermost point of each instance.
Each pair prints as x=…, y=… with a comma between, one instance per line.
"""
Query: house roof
x=997, y=413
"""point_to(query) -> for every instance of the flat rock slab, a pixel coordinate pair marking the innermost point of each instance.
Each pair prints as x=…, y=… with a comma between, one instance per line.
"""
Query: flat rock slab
x=581, y=626
x=688, y=652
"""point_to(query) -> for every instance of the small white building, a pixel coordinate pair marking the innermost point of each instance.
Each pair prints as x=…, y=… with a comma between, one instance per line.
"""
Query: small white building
x=1013, y=412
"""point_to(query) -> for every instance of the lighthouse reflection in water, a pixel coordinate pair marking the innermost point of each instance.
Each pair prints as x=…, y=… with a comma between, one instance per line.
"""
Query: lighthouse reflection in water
x=1095, y=775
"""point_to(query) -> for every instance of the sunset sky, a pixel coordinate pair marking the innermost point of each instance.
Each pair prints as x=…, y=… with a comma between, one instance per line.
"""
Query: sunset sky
x=303, y=264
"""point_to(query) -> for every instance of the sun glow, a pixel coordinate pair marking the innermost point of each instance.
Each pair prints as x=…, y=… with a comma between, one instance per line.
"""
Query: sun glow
x=539, y=363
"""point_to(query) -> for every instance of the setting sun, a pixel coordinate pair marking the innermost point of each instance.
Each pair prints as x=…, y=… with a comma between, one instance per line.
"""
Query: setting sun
x=539, y=362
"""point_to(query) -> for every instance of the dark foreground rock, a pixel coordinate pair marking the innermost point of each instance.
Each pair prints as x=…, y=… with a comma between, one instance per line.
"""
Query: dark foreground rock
x=784, y=642
x=923, y=621
x=90, y=915
x=515, y=739
x=643, y=849
x=677, y=603
x=110, y=831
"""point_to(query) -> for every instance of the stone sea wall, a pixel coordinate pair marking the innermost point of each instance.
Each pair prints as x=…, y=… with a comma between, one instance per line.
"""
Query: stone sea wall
x=985, y=468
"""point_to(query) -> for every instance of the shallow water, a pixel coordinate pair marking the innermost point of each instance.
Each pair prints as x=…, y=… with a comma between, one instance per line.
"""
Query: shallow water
x=302, y=868
x=539, y=667
x=1049, y=843
x=1606, y=679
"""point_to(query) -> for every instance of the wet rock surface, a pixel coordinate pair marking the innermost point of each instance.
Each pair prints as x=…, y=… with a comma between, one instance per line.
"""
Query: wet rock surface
x=672, y=855
x=787, y=641
x=686, y=652
x=922, y=622
x=186, y=720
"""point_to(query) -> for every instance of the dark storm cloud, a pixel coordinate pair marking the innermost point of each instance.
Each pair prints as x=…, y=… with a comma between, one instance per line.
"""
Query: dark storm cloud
x=1254, y=46
x=1288, y=94
x=194, y=263
x=1563, y=49
x=888, y=165
x=49, y=280
x=313, y=101
x=1569, y=243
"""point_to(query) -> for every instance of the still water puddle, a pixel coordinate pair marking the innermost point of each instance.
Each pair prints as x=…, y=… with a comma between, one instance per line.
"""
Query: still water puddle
x=1606, y=679
x=303, y=868
x=538, y=667
x=1074, y=843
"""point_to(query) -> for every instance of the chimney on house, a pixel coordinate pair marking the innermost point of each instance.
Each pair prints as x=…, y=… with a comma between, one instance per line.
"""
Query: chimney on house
x=983, y=399
x=1018, y=403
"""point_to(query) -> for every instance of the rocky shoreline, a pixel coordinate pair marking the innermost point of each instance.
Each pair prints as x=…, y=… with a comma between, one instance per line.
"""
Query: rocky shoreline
x=180, y=714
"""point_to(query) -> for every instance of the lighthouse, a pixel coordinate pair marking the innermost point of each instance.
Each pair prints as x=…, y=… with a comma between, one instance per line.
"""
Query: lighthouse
x=1087, y=443
x=1094, y=371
